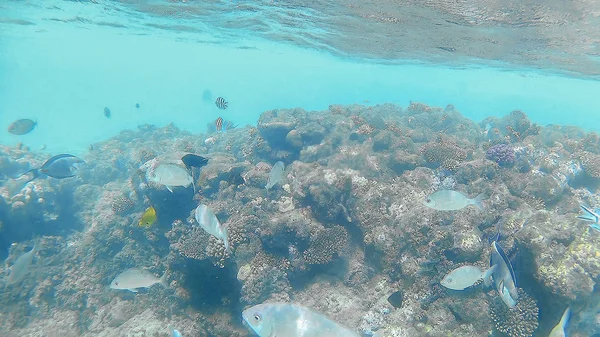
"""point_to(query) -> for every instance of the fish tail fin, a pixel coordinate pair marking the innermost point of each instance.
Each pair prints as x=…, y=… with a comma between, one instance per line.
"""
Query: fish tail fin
x=478, y=201
x=164, y=281
x=487, y=276
x=564, y=320
x=589, y=216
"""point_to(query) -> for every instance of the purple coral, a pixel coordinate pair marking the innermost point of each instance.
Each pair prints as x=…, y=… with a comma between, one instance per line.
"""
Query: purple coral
x=503, y=154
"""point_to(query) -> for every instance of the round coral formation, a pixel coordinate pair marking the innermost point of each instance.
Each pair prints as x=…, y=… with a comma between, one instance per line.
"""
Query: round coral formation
x=326, y=244
x=121, y=205
x=502, y=154
x=520, y=321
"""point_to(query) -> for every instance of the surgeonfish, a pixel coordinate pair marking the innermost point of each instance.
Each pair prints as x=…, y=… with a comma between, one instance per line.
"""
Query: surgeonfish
x=465, y=276
x=503, y=276
x=174, y=332
x=60, y=166
x=135, y=278
x=559, y=329
x=591, y=216
x=275, y=175
x=448, y=200
x=22, y=126
x=292, y=320
x=221, y=103
x=20, y=268
x=148, y=218
x=207, y=219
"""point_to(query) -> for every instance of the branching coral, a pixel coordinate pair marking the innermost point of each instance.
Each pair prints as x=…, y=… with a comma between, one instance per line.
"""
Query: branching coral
x=121, y=204
x=520, y=321
x=590, y=163
x=326, y=244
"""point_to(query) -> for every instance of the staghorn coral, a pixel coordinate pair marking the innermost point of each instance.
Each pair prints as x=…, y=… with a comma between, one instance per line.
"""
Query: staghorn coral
x=520, y=321
x=121, y=204
x=444, y=152
x=326, y=244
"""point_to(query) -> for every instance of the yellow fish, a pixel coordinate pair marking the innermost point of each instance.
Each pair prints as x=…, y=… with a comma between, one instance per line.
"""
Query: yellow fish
x=148, y=218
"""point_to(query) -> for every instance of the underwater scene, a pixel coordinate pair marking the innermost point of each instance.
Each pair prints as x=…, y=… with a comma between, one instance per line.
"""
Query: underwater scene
x=299, y=168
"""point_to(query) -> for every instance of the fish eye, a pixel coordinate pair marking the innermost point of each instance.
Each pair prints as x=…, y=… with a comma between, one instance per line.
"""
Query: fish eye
x=116, y=283
x=428, y=200
x=257, y=317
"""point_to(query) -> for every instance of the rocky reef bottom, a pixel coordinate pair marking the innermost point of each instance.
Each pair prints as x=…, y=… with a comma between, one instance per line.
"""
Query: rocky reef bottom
x=343, y=228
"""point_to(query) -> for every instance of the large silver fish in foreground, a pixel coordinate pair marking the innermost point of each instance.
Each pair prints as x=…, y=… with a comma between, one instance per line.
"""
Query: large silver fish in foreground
x=170, y=173
x=292, y=320
x=503, y=276
x=207, y=219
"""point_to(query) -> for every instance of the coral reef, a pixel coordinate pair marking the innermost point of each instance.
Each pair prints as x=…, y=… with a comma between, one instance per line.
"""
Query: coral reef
x=344, y=229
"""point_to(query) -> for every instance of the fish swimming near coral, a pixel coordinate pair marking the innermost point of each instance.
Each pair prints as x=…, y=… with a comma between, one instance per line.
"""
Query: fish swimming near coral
x=207, y=219
x=396, y=299
x=60, y=166
x=225, y=125
x=174, y=332
x=275, y=175
x=448, y=200
x=464, y=277
x=591, y=216
x=221, y=103
x=559, y=329
x=22, y=126
x=168, y=174
x=20, y=268
x=192, y=160
x=503, y=276
x=135, y=278
x=292, y=320
x=148, y=218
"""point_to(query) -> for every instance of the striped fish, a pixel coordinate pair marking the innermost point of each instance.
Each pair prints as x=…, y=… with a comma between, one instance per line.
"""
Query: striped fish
x=221, y=103
x=219, y=124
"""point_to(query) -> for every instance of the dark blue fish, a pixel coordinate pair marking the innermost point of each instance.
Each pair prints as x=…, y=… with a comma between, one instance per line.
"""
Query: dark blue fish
x=60, y=166
x=106, y=112
x=137, y=105
x=503, y=276
x=221, y=103
x=192, y=160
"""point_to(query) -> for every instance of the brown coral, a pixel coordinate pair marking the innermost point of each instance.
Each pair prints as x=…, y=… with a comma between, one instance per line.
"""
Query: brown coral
x=445, y=153
x=326, y=244
x=520, y=321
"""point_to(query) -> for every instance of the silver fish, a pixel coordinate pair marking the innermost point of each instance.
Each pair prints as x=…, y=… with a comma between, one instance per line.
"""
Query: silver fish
x=170, y=175
x=292, y=320
x=174, y=332
x=448, y=200
x=135, y=278
x=275, y=175
x=559, y=329
x=207, y=219
x=20, y=268
x=503, y=276
x=464, y=277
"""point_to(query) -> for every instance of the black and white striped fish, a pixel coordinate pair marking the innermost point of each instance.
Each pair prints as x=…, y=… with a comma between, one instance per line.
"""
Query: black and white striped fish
x=221, y=103
x=219, y=124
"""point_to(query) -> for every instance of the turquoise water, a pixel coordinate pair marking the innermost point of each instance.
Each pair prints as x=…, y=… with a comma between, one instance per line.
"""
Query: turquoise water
x=397, y=96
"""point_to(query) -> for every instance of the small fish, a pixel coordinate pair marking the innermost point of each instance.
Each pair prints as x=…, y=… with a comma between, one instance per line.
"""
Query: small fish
x=448, y=200
x=20, y=268
x=591, y=216
x=396, y=298
x=137, y=105
x=219, y=125
x=135, y=278
x=22, y=126
x=207, y=219
x=464, y=277
x=292, y=320
x=221, y=103
x=59, y=167
x=170, y=175
x=559, y=329
x=275, y=175
x=503, y=276
x=192, y=160
x=106, y=112
x=174, y=332
x=148, y=218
